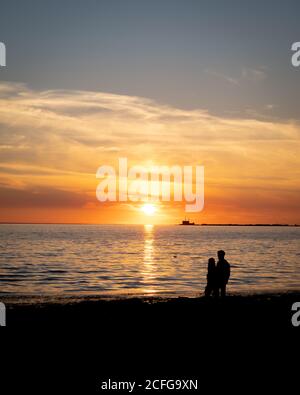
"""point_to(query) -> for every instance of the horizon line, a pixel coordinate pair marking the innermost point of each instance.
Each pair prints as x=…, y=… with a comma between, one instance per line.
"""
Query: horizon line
x=126, y=224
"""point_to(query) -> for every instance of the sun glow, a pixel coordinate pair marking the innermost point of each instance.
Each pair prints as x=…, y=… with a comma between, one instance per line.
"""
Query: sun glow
x=149, y=209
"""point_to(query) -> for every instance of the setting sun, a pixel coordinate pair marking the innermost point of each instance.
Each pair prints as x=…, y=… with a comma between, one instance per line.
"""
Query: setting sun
x=148, y=209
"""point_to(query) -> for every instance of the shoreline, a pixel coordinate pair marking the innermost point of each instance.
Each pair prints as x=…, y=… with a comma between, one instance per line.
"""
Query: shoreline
x=261, y=310
x=34, y=299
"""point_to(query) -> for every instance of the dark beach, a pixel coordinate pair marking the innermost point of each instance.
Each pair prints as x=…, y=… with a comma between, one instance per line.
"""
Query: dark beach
x=135, y=338
x=269, y=310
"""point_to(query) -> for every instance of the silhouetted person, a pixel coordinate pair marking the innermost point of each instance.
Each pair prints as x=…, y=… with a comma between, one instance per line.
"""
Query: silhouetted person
x=223, y=273
x=211, y=278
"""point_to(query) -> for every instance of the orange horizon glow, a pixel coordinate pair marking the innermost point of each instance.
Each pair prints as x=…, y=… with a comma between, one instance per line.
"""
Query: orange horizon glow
x=55, y=141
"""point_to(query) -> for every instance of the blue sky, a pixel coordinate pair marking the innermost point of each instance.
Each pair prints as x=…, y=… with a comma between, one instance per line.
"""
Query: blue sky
x=229, y=57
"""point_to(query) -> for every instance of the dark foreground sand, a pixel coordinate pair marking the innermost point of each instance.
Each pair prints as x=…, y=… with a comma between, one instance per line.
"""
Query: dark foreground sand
x=269, y=310
x=242, y=342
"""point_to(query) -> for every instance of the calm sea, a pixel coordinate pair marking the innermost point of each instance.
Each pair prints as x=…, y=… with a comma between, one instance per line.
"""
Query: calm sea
x=101, y=259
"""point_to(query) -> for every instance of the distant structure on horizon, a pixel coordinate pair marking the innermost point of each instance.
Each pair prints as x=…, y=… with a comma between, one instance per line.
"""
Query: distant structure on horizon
x=187, y=222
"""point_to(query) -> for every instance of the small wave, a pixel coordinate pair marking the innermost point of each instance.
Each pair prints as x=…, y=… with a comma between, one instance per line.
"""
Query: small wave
x=56, y=271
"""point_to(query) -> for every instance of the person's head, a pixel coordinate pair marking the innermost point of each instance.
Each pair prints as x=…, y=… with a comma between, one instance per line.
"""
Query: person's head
x=211, y=263
x=221, y=255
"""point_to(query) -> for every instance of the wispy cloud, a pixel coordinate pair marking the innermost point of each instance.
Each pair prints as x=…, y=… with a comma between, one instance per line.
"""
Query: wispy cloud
x=247, y=75
x=57, y=139
x=222, y=76
x=254, y=74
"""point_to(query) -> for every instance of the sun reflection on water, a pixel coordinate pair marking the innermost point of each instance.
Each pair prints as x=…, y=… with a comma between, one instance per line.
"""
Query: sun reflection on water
x=149, y=265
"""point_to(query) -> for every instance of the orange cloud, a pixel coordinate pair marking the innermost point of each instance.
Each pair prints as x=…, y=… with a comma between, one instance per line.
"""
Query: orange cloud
x=52, y=142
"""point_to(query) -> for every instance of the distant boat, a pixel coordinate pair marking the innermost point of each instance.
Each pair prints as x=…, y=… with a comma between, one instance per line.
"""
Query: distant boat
x=187, y=222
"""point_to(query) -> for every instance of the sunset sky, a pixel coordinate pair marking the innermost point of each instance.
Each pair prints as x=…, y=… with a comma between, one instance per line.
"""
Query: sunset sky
x=159, y=82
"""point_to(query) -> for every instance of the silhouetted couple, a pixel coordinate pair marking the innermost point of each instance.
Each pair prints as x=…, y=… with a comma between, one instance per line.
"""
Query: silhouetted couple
x=217, y=275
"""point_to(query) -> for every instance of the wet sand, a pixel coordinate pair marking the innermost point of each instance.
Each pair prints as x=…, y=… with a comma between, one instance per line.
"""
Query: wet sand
x=257, y=311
